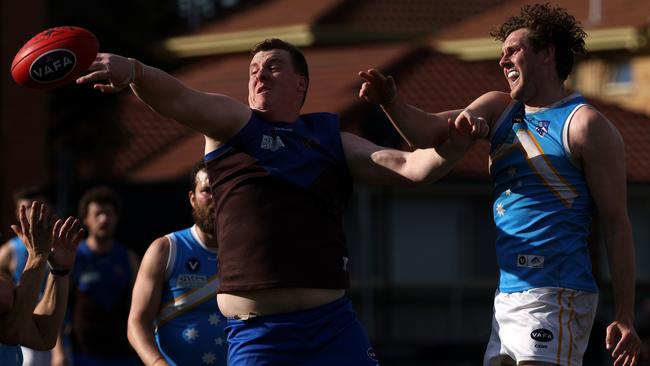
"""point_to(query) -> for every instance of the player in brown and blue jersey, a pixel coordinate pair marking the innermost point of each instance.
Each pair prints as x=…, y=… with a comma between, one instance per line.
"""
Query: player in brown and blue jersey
x=281, y=182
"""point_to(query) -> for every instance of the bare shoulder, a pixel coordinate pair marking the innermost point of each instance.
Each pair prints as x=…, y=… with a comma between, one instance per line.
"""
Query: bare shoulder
x=157, y=254
x=591, y=130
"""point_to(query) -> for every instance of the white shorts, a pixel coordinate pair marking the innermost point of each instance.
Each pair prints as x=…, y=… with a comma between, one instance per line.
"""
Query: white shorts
x=544, y=324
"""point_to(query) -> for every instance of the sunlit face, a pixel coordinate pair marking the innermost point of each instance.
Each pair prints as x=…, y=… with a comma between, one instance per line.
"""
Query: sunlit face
x=273, y=82
x=520, y=65
x=202, y=204
x=101, y=220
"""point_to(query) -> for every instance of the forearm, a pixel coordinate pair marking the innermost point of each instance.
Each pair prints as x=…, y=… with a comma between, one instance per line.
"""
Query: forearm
x=422, y=166
x=419, y=128
x=156, y=88
x=42, y=332
x=621, y=258
x=25, y=299
x=141, y=337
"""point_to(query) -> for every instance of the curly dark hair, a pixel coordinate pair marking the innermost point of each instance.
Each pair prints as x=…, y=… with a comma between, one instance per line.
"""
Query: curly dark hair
x=548, y=25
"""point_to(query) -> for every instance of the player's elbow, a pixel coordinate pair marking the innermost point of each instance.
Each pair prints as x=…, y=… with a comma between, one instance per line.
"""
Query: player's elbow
x=135, y=328
x=131, y=330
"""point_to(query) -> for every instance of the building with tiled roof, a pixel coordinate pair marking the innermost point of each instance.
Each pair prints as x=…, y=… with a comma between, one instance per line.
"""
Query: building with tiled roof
x=617, y=66
x=424, y=254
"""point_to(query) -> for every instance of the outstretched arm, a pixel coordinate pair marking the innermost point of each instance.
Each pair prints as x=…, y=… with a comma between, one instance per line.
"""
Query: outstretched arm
x=375, y=164
x=599, y=147
x=145, y=303
x=419, y=128
x=217, y=116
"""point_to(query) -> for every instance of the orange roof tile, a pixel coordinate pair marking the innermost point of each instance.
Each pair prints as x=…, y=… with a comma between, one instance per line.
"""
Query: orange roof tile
x=405, y=16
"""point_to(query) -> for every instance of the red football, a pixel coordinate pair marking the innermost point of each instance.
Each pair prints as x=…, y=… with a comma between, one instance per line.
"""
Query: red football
x=54, y=57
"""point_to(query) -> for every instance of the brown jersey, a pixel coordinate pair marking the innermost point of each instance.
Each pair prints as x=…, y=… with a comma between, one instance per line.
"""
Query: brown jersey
x=280, y=190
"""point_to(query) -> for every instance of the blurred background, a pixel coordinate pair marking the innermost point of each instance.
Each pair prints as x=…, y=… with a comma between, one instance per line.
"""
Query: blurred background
x=423, y=264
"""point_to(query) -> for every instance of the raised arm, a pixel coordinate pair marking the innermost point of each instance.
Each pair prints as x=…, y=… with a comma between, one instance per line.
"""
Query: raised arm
x=145, y=302
x=419, y=128
x=35, y=232
x=375, y=164
x=217, y=116
x=42, y=330
x=599, y=147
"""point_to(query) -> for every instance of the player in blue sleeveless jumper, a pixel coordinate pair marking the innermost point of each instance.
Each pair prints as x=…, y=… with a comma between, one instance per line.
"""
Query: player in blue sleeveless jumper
x=555, y=162
x=281, y=182
x=23, y=319
x=13, y=258
x=102, y=280
x=174, y=317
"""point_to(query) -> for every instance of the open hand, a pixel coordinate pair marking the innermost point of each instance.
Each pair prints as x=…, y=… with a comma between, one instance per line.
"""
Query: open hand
x=35, y=231
x=66, y=236
x=377, y=88
x=626, y=344
x=117, y=70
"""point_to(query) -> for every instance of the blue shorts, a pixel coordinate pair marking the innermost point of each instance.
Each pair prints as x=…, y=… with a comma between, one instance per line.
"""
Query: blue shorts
x=326, y=335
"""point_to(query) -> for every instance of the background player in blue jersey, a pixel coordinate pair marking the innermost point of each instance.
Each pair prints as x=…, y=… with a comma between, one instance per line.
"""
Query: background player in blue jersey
x=174, y=318
x=102, y=281
x=23, y=319
x=280, y=183
x=13, y=258
x=555, y=161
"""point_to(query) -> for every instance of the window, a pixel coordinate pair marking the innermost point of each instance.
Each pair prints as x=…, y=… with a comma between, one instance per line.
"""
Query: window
x=620, y=77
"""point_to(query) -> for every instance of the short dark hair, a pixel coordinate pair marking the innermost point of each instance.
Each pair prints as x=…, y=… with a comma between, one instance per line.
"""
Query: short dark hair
x=100, y=195
x=31, y=192
x=297, y=57
x=548, y=25
x=198, y=167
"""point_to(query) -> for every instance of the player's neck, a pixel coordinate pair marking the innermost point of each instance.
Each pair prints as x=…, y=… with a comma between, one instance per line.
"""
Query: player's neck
x=99, y=245
x=209, y=240
x=546, y=96
x=279, y=115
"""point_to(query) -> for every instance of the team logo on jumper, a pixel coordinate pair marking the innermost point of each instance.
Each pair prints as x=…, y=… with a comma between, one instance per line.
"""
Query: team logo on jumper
x=270, y=143
x=530, y=261
x=371, y=354
x=542, y=335
x=542, y=128
x=193, y=264
x=191, y=281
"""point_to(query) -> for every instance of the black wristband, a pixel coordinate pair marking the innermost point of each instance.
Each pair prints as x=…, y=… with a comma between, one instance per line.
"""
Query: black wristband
x=58, y=272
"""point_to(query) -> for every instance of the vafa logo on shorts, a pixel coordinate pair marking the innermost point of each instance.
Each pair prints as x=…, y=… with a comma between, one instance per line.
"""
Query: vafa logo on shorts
x=541, y=335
